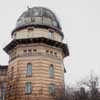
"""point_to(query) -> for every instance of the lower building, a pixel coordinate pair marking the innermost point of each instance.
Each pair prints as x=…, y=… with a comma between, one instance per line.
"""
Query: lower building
x=3, y=82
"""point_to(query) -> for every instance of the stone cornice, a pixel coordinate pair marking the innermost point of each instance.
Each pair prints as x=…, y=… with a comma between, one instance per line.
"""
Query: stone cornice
x=47, y=41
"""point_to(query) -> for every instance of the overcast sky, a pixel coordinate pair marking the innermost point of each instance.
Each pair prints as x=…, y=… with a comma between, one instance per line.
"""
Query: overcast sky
x=80, y=20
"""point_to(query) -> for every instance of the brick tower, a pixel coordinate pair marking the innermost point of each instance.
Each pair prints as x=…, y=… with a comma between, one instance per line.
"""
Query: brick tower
x=35, y=70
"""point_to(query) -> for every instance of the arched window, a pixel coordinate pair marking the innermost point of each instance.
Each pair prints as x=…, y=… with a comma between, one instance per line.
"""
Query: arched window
x=29, y=69
x=51, y=89
x=51, y=71
x=11, y=90
x=12, y=73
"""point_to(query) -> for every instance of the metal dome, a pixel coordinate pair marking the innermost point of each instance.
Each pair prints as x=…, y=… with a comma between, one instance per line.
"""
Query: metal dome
x=38, y=16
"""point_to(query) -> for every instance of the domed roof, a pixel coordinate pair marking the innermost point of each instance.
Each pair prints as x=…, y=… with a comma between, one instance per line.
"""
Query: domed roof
x=38, y=16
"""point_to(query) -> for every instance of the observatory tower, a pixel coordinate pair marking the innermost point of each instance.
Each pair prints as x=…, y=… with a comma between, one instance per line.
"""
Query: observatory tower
x=36, y=53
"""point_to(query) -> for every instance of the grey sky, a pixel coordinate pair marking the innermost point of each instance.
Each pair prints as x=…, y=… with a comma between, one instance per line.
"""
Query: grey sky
x=80, y=20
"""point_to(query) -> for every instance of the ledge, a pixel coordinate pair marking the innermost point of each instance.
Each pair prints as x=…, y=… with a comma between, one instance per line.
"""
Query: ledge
x=47, y=41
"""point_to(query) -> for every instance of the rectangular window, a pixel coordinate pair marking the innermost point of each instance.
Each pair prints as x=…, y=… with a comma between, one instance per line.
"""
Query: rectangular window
x=50, y=34
x=52, y=89
x=28, y=88
x=0, y=94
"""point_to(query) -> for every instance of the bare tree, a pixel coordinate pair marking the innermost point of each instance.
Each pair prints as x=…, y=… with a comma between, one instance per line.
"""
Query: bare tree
x=88, y=90
x=92, y=84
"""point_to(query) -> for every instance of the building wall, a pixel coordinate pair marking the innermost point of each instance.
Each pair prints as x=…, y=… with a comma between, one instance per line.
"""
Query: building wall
x=38, y=50
x=37, y=32
x=41, y=61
